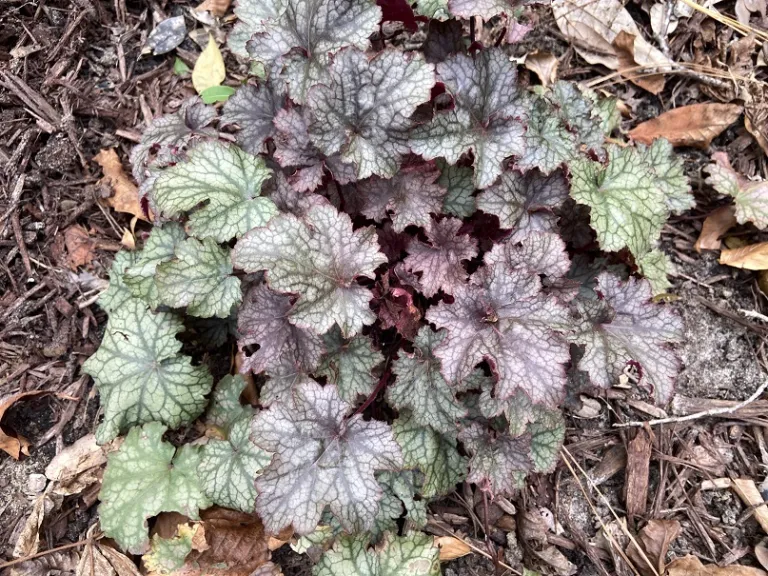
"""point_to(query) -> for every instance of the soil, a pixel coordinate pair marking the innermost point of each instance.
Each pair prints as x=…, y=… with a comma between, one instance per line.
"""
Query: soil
x=85, y=87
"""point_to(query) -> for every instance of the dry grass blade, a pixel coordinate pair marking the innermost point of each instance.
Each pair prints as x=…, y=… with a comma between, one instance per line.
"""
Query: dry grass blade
x=570, y=462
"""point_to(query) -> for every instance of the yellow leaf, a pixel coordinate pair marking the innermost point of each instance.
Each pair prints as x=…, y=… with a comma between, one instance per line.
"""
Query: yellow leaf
x=752, y=257
x=209, y=68
x=451, y=548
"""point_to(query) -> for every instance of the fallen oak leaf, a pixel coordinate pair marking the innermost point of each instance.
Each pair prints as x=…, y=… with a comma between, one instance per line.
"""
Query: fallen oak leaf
x=14, y=446
x=695, y=125
x=593, y=26
x=126, y=193
x=715, y=225
x=692, y=566
x=752, y=257
x=654, y=540
x=625, y=46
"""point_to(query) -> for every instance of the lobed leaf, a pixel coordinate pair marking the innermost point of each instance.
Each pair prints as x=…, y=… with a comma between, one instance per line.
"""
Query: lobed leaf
x=486, y=117
x=305, y=32
x=500, y=462
x=200, y=279
x=414, y=554
x=225, y=408
x=410, y=196
x=458, y=183
x=440, y=261
x=228, y=467
x=525, y=203
x=321, y=458
x=624, y=327
x=504, y=317
x=160, y=247
x=421, y=388
x=750, y=198
x=318, y=258
x=348, y=364
x=363, y=112
x=117, y=293
x=140, y=375
x=265, y=319
x=253, y=110
x=144, y=477
x=228, y=179
x=433, y=454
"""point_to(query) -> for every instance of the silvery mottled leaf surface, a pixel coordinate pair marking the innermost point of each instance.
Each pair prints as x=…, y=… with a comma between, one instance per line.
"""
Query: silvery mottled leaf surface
x=441, y=260
x=199, y=277
x=144, y=477
x=500, y=462
x=459, y=185
x=413, y=554
x=348, y=364
x=408, y=198
x=265, y=320
x=433, y=454
x=502, y=316
x=225, y=408
x=225, y=178
x=228, y=467
x=624, y=327
x=140, y=375
x=167, y=35
x=421, y=388
x=321, y=458
x=750, y=198
x=252, y=109
x=317, y=258
x=525, y=203
x=117, y=293
x=548, y=142
x=160, y=247
x=363, y=111
x=311, y=30
x=486, y=117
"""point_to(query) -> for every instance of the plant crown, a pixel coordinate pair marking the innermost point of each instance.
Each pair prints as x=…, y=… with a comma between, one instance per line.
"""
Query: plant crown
x=410, y=249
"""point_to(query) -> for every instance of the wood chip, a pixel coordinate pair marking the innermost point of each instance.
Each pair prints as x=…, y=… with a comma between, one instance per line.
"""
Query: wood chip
x=638, y=465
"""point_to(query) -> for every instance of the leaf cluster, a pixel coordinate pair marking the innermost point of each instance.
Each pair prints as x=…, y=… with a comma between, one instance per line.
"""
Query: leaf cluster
x=408, y=249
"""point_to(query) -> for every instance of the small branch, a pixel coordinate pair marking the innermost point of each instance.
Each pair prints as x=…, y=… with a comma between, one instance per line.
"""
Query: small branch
x=380, y=385
x=699, y=415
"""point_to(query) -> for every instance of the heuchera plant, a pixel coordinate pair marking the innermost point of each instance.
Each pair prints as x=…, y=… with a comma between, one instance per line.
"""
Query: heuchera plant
x=409, y=248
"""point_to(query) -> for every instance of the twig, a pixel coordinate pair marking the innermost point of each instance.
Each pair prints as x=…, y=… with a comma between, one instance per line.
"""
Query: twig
x=698, y=415
x=45, y=553
x=565, y=456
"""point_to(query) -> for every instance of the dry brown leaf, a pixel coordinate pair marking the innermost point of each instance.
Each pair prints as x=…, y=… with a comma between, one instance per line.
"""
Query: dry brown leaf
x=29, y=537
x=654, y=539
x=695, y=125
x=99, y=559
x=18, y=445
x=236, y=543
x=625, y=45
x=594, y=25
x=80, y=246
x=544, y=65
x=746, y=489
x=761, y=553
x=125, y=197
x=714, y=227
x=692, y=566
x=636, y=478
x=61, y=562
x=216, y=7
x=756, y=123
x=557, y=561
x=76, y=467
x=752, y=257
x=451, y=548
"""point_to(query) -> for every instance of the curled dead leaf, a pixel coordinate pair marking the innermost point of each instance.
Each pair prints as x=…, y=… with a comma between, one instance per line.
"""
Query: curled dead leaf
x=14, y=445
x=544, y=65
x=692, y=566
x=80, y=246
x=625, y=46
x=752, y=257
x=654, y=539
x=76, y=467
x=125, y=197
x=715, y=226
x=695, y=125
x=451, y=548
x=594, y=25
